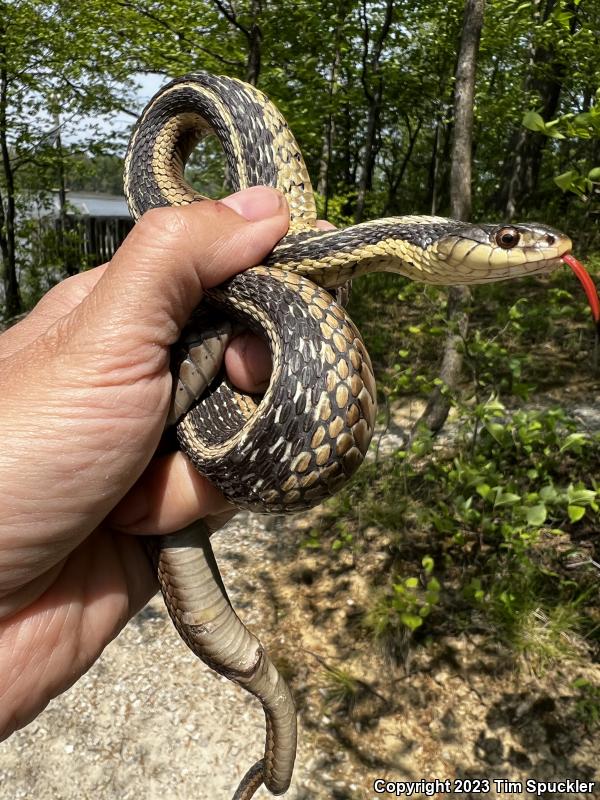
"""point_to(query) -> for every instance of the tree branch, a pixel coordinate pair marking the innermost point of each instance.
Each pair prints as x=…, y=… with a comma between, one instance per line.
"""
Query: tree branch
x=181, y=36
x=231, y=16
x=365, y=51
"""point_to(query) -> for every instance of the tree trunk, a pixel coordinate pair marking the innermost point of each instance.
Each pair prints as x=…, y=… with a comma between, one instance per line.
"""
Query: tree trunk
x=254, y=52
x=438, y=406
x=252, y=33
x=434, y=169
x=464, y=93
x=396, y=175
x=372, y=81
x=349, y=148
x=63, y=251
x=323, y=183
x=526, y=148
x=368, y=158
x=12, y=296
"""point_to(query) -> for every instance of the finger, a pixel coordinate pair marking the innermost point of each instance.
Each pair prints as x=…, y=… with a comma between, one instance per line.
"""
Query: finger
x=324, y=225
x=65, y=296
x=248, y=363
x=248, y=360
x=56, y=303
x=85, y=411
x=156, y=278
x=168, y=496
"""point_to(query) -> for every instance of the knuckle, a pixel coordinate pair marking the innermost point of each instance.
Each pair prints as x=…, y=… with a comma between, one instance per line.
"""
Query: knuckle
x=175, y=222
x=167, y=221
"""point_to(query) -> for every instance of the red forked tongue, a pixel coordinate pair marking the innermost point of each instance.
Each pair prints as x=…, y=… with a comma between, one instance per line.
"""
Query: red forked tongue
x=588, y=285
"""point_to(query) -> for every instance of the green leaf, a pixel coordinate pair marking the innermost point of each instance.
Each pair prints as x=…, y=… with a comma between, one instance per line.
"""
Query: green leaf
x=493, y=406
x=536, y=515
x=507, y=499
x=574, y=440
x=575, y=513
x=514, y=311
x=548, y=494
x=411, y=583
x=585, y=118
x=496, y=431
x=594, y=174
x=428, y=564
x=580, y=496
x=533, y=121
x=411, y=621
x=554, y=133
x=566, y=180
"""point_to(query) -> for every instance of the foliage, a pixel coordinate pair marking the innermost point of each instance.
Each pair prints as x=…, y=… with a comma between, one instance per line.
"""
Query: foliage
x=341, y=688
x=319, y=62
x=582, y=179
x=409, y=603
x=49, y=80
x=485, y=515
x=491, y=528
x=587, y=704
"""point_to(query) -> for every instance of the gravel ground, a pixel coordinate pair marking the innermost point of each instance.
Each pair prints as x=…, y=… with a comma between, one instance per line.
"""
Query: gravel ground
x=149, y=719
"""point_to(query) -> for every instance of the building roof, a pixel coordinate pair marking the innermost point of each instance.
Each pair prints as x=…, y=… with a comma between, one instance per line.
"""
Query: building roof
x=94, y=204
x=79, y=204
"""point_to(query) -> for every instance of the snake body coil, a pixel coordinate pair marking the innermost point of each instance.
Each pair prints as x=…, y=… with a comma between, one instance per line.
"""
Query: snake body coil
x=310, y=431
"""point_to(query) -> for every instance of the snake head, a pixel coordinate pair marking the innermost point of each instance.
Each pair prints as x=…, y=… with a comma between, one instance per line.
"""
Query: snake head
x=534, y=242
x=498, y=252
x=541, y=244
x=495, y=252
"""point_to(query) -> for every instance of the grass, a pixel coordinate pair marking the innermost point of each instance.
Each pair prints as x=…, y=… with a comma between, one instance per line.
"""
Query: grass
x=341, y=689
x=479, y=534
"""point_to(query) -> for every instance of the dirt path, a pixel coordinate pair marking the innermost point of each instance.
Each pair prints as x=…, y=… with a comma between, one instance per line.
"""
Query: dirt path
x=149, y=721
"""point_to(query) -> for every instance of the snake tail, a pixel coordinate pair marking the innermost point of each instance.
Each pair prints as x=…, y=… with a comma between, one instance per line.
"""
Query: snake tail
x=251, y=781
x=204, y=618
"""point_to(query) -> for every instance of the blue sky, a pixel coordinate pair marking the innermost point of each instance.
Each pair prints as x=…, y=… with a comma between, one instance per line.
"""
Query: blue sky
x=119, y=122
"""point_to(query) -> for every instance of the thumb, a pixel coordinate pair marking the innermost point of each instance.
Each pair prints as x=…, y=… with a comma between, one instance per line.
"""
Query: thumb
x=157, y=277
x=92, y=393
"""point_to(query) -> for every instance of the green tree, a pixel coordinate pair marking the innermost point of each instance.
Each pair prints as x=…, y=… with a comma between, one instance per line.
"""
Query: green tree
x=45, y=68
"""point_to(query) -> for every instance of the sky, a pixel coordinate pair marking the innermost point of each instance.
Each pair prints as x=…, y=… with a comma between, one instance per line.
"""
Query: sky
x=120, y=122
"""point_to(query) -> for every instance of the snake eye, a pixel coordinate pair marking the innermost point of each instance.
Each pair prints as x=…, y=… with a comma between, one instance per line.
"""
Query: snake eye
x=507, y=238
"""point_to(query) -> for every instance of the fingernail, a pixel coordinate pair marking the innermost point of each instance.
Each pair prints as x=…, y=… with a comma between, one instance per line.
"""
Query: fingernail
x=255, y=203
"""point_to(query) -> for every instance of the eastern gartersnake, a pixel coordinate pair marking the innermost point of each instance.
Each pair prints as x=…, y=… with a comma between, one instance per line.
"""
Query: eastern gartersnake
x=310, y=431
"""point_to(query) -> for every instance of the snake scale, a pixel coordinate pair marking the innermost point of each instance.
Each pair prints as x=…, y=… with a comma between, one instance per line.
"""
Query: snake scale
x=309, y=432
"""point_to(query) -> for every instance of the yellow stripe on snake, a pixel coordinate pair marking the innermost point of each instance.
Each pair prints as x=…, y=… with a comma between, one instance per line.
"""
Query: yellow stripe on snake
x=308, y=434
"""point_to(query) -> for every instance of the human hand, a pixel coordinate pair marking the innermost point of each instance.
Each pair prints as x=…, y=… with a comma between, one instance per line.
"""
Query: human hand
x=85, y=389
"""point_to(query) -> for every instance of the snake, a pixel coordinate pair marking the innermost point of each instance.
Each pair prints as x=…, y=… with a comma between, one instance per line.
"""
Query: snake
x=299, y=442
